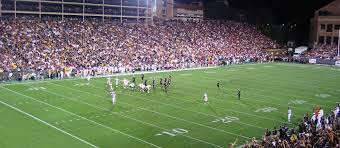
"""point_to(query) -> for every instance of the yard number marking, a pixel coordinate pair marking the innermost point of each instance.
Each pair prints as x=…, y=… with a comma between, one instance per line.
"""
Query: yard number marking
x=266, y=109
x=82, y=84
x=226, y=119
x=297, y=102
x=323, y=95
x=36, y=88
x=173, y=132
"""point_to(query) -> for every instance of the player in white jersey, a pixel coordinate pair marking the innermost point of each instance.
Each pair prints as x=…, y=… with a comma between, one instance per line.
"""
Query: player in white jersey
x=289, y=114
x=113, y=95
x=88, y=77
x=205, y=98
x=117, y=82
x=110, y=86
x=125, y=83
x=108, y=81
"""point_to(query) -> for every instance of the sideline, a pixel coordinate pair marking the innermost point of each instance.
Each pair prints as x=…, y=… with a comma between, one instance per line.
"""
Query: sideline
x=46, y=123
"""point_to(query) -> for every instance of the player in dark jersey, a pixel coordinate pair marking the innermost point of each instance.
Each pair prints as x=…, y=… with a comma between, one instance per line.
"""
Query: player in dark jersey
x=145, y=83
x=165, y=81
x=142, y=77
x=218, y=84
x=133, y=79
x=154, y=83
x=165, y=86
x=169, y=80
x=239, y=94
x=161, y=81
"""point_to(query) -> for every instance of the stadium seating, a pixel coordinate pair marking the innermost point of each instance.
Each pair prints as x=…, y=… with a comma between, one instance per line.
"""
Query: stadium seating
x=323, y=51
x=29, y=44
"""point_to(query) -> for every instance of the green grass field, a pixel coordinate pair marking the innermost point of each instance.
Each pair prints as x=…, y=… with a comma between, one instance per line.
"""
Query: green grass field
x=75, y=113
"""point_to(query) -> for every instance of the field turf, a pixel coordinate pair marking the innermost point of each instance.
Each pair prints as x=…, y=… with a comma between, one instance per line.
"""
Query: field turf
x=77, y=113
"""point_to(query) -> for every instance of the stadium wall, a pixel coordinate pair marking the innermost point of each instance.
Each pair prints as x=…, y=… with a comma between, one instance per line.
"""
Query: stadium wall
x=322, y=61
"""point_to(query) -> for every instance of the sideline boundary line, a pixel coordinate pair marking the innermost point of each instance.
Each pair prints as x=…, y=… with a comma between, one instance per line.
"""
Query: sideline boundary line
x=46, y=123
x=104, y=76
x=125, y=116
x=99, y=124
x=128, y=74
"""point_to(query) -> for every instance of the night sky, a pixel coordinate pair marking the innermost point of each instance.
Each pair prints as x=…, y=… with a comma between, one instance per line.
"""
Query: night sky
x=274, y=12
x=282, y=10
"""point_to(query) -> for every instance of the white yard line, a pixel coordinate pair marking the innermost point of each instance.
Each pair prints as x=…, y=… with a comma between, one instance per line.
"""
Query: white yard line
x=46, y=123
x=278, y=90
x=302, y=81
x=266, y=102
x=131, y=118
x=310, y=86
x=188, y=110
x=255, y=94
x=99, y=124
x=250, y=114
x=162, y=114
x=203, y=104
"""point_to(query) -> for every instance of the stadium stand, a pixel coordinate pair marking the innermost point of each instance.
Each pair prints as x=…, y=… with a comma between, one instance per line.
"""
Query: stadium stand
x=323, y=51
x=46, y=47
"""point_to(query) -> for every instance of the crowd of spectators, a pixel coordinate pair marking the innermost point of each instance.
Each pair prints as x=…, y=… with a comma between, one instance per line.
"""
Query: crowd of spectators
x=323, y=51
x=319, y=131
x=35, y=45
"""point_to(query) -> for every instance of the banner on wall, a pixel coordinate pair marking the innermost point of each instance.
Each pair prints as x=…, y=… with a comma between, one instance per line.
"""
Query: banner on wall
x=337, y=63
x=312, y=61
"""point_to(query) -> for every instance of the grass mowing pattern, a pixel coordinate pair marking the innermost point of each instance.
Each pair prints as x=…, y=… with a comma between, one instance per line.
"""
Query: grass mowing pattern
x=179, y=119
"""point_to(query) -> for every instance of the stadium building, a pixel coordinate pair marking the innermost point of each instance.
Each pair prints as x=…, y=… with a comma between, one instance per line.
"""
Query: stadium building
x=168, y=9
x=164, y=9
x=193, y=11
x=118, y=10
x=134, y=11
x=325, y=24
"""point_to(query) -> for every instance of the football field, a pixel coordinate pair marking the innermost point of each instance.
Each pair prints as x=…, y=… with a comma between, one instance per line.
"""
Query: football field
x=77, y=113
